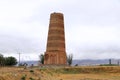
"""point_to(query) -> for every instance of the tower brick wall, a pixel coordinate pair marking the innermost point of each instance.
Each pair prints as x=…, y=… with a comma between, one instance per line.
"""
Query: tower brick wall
x=55, y=50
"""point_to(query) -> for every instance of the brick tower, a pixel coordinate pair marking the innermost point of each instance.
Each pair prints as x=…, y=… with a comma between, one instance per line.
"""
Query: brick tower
x=55, y=50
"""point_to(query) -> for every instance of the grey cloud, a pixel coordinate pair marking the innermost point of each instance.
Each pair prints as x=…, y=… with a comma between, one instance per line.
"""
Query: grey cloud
x=18, y=44
x=105, y=52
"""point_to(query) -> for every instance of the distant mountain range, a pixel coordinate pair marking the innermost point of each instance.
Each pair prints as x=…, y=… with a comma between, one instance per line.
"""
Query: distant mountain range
x=86, y=62
x=95, y=62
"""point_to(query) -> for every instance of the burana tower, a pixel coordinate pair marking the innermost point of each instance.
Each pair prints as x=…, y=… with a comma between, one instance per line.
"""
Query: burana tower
x=55, y=50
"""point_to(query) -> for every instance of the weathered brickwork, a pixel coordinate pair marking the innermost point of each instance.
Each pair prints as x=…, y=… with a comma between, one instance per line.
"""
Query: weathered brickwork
x=55, y=50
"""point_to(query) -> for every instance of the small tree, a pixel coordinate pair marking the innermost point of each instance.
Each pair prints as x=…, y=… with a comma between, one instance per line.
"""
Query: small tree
x=69, y=59
x=41, y=57
x=10, y=61
x=109, y=61
x=2, y=60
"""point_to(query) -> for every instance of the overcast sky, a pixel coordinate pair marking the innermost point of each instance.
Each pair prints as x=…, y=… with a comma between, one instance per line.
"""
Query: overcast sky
x=92, y=27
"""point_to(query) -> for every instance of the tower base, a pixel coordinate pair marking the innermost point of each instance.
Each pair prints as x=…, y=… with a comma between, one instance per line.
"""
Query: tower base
x=57, y=58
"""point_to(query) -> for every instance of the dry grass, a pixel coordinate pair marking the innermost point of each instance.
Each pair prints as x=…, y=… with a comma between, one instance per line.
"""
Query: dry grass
x=16, y=73
x=69, y=73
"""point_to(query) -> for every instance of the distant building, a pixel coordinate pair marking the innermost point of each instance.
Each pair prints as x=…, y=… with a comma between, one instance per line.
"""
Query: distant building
x=55, y=50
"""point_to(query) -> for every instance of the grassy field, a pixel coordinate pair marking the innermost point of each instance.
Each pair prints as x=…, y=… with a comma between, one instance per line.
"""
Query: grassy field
x=68, y=73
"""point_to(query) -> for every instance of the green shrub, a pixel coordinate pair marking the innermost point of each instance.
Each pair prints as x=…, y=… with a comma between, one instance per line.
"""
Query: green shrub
x=32, y=71
x=23, y=77
x=31, y=78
